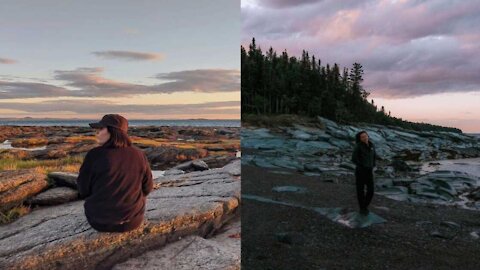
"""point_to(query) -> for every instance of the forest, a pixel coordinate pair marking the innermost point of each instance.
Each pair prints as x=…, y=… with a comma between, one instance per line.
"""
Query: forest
x=274, y=84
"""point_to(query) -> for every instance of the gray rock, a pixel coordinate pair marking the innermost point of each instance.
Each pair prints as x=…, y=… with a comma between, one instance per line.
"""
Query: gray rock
x=347, y=165
x=193, y=165
x=16, y=186
x=384, y=182
x=350, y=219
x=193, y=252
x=474, y=195
x=402, y=181
x=233, y=168
x=450, y=224
x=199, y=165
x=173, y=172
x=215, y=161
x=59, y=237
x=312, y=167
x=64, y=179
x=55, y=196
x=441, y=234
x=401, y=166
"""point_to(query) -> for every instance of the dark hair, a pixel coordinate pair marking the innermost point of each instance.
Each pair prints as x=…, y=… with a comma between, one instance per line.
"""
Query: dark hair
x=357, y=137
x=118, y=138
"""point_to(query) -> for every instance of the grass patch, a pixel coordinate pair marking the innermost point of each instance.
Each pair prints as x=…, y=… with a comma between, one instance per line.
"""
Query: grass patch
x=77, y=139
x=11, y=215
x=146, y=141
x=286, y=120
x=70, y=164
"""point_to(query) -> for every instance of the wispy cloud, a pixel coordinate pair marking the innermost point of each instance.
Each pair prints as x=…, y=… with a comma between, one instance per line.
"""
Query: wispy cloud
x=90, y=82
x=407, y=48
x=29, y=90
x=7, y=61
x=201, y=80
x=129, y=55
x=103, y=106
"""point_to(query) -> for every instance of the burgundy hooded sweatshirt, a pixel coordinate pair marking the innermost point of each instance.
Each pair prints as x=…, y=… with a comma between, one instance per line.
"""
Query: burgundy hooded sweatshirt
x=114, y=183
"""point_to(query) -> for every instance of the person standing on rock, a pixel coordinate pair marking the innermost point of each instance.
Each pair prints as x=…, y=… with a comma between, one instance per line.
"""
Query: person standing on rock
x=363, y=157
x=114, y=178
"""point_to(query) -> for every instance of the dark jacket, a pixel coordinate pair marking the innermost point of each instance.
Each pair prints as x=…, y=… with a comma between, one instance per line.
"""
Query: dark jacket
x=115, y=183
x=363, y=155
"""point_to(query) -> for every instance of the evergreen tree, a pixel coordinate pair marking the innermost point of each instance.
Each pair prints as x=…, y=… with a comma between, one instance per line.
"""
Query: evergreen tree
x=283, y=84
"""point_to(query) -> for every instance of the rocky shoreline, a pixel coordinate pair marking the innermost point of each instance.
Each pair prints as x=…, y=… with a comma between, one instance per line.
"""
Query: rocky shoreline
x=196, y=197
x=300, y=209
x=315, y=151
x=181, y=204
x=165, y=146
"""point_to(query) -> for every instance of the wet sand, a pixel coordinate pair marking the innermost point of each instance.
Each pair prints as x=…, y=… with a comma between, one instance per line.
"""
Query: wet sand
x=416, y=236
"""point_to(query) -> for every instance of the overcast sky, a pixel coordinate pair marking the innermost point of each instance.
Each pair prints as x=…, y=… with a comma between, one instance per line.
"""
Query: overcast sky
x=421, y=58
x=151, y=59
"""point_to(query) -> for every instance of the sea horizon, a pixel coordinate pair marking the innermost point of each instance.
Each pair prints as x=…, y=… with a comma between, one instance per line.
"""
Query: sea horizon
x=199, y=122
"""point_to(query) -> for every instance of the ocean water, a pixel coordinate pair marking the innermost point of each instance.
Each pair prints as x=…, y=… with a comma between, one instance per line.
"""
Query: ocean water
x=467, y=165
x=84, y=123
x=8, y=145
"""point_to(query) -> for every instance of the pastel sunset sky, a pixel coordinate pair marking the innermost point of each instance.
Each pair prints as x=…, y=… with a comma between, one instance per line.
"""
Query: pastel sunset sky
x=150, y=59
x=421, y=58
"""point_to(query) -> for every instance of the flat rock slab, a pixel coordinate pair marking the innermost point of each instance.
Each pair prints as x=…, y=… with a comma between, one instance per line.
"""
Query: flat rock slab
x=59, y=237
x=193, y=252
x=55, y=196
x=19, y=185
x=350, y=219
x=64, y=179
x=234, y=167
x=339, y=214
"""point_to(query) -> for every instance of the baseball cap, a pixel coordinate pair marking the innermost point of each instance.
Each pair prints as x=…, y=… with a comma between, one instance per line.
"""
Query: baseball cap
x=112, y=120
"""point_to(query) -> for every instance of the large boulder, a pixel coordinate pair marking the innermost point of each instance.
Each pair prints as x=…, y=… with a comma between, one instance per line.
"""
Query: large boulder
x=54, y=196
x=16, y=186
x=192, y=165
x=64, y=179
x=164, y=157
x=218, y=161
x=234, y=168
x=59, y=237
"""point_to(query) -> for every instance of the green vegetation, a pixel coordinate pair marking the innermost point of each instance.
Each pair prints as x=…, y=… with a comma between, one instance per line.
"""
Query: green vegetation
x=285, y=120
x=273, y=85
x=13, y=214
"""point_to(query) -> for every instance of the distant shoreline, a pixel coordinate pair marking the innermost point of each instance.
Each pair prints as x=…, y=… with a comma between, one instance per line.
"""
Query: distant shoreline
x=87, y=119
x=132, y=122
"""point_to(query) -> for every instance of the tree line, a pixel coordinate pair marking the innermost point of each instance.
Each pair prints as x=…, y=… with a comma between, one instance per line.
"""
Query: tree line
x=281, y=84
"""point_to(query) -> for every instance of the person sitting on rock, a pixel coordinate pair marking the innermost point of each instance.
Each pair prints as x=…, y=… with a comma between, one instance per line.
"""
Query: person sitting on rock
x=363, y=157
x=114, y=178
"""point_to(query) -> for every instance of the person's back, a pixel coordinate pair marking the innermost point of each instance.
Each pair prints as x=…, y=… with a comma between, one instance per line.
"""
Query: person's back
x=115, y=183
x=120, y=178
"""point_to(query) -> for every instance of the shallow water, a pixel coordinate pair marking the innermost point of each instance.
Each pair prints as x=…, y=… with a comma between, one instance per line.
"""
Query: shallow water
x=8, y=145
x=467, y=165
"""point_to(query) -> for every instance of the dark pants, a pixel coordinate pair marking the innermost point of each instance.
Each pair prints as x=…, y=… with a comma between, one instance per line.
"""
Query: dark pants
x=124, y=227
x=364, y=177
